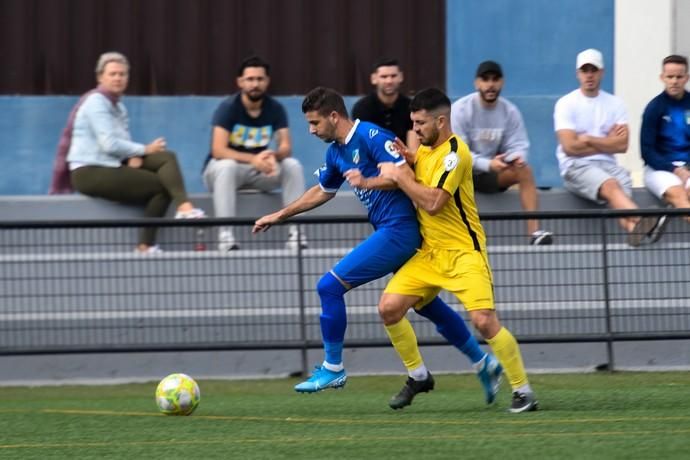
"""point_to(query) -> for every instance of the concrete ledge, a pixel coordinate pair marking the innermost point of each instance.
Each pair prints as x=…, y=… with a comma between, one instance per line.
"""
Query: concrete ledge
x=254, y=204
x=80, y=207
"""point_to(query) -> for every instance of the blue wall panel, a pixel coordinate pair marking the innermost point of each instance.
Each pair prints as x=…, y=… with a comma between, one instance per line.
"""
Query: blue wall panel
x=536, y=42
x=31, y=125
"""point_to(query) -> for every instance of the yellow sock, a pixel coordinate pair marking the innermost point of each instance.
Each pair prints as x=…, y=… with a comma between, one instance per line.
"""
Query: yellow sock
x=404, y=340
x=506, y=349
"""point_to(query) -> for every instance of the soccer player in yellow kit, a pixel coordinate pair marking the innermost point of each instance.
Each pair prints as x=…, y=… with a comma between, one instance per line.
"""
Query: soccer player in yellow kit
x=453, y=253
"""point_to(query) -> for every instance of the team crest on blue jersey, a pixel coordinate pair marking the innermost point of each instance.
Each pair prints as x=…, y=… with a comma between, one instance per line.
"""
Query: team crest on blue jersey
x=391, y=149
x=355, y=156
x=450, y=161
x=373, y=132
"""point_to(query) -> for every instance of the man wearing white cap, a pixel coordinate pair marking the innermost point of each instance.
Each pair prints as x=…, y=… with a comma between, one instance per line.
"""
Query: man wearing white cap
x=592, y=127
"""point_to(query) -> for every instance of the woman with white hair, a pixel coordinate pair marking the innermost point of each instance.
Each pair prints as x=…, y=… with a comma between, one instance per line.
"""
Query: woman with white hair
x=103, y=161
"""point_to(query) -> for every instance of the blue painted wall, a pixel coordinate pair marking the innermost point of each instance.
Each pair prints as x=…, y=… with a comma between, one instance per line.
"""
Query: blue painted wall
x=30, y=127
x=536, y=42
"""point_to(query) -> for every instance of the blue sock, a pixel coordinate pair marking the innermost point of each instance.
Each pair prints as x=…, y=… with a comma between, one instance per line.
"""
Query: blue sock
x=452, y=327
x=333, y=317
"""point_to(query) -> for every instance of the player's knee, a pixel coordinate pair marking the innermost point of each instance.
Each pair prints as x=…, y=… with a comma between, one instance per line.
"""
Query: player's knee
x=486, y=322
x=329, y=287
x=391, y=312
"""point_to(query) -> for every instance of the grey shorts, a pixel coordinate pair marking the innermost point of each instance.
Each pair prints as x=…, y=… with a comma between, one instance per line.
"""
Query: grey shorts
x=584, y=178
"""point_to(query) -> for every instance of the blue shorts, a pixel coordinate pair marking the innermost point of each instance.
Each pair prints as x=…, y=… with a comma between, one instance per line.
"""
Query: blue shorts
x=384, y=252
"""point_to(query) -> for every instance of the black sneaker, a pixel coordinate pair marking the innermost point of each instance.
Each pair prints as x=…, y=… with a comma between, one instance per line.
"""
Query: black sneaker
x=410, y=390
x=523, y=402
x=658, y=230
x=644, y=228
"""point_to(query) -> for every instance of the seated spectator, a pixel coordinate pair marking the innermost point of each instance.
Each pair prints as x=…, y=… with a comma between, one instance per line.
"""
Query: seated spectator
x=592, y=127
x=244, y=125
x=104, y=162
x=387, y=106
x=665, y=136
x=493, y=129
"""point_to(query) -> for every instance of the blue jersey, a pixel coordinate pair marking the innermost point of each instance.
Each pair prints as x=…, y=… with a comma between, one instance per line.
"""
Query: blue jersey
x=665, y=133
x=365, y=147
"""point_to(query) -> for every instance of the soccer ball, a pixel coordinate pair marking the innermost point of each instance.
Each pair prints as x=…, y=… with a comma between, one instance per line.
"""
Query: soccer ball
x=177, y=394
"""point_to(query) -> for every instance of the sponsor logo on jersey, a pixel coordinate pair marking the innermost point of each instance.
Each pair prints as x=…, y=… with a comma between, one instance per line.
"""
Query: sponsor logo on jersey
x=391, y=149
x=450, y=161
x=373, y=132
x=321, y=169
x=355, y=156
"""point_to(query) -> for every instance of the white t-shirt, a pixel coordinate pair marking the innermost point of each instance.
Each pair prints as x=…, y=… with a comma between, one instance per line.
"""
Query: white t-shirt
x=587, y=115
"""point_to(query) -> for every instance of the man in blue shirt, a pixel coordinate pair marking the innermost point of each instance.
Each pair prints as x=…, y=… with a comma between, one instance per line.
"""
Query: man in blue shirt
x=665, y=136
x=356, y=148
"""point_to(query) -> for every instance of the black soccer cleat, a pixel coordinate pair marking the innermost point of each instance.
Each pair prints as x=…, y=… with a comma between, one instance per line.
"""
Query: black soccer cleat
x=410, y=390
x=523, y=402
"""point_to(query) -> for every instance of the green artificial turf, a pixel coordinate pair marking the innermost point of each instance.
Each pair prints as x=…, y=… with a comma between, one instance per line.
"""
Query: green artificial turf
x=583, y=416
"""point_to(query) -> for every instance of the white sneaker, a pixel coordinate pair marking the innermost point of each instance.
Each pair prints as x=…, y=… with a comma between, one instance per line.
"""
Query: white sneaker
x=541, y=238
x=296, y=239
x=194, y=213
x=226, y=241
x=150, y=250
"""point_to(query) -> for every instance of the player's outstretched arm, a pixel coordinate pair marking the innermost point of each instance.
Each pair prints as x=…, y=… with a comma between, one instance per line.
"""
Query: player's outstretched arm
x=311, y=199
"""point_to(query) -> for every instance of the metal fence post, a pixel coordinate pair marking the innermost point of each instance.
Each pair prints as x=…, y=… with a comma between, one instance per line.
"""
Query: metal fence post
x=302, y=304
x=607, y=296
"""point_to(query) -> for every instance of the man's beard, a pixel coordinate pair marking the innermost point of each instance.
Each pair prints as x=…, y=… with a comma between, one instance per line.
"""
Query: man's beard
x=430, y=140
x=485, y=99
x=255, y=96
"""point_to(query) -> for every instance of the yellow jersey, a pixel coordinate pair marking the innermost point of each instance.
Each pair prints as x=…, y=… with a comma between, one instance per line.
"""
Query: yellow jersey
x=456, y=226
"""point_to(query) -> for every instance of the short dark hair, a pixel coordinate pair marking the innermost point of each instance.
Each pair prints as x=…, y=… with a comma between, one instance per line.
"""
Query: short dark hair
x=675, y=59
x=253, y=61
x=324, y=101
x=430, y=99
x=385, y=62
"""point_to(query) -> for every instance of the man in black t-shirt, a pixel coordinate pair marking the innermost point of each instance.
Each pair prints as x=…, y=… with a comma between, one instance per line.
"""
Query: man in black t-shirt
x=387, y=106
x=244, y=127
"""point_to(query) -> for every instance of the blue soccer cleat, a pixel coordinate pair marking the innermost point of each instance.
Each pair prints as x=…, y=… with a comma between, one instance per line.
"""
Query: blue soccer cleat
x=321, y=379
x=489, y=374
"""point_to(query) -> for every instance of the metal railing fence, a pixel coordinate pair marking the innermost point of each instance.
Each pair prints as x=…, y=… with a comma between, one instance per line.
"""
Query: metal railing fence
x=79, y=286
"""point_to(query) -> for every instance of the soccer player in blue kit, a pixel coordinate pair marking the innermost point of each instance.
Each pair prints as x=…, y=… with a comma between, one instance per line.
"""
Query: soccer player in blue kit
x=356, y=149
